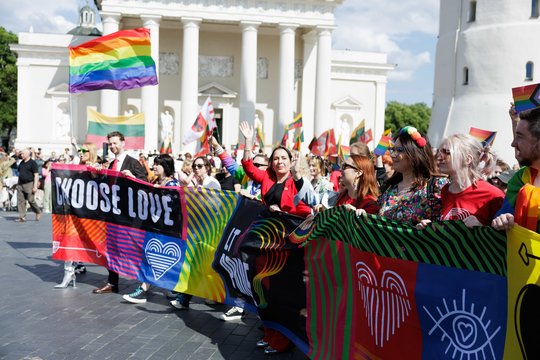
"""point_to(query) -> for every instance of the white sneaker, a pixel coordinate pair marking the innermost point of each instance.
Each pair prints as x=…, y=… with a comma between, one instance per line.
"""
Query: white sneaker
x=234, y=313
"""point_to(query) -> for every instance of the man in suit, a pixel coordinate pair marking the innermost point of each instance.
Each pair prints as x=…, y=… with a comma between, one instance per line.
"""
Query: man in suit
x=130, y=167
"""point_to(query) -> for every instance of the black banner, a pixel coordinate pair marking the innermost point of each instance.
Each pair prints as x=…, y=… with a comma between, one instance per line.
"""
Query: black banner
x=110, y=196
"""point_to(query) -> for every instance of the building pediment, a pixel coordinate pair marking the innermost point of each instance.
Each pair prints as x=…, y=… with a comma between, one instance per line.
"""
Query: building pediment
x=347, y=102
x=59, y=90
x=216, y=90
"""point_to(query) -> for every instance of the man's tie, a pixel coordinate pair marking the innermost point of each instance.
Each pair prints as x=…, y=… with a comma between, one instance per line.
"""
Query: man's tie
x=114, y=165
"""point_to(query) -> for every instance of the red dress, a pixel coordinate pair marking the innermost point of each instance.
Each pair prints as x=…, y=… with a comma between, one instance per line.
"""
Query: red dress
x=368, y=203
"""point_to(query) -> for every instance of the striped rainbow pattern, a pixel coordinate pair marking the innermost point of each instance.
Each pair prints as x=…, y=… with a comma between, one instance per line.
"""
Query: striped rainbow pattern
x=382, y=146
x=526, y=97
x=118, y=61
x=486, y=137
x=131, y=126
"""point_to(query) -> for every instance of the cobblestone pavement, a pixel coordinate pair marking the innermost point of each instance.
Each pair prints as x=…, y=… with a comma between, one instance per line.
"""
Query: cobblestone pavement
x=40, y=322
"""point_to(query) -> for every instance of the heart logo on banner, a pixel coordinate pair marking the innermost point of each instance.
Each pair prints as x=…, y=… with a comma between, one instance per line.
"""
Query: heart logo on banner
x=162, y=257
x=386, y=305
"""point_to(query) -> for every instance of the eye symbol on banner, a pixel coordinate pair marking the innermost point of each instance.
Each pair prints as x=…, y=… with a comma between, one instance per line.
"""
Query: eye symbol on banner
x=162, y=257
x=465, y=330
x=386, y=305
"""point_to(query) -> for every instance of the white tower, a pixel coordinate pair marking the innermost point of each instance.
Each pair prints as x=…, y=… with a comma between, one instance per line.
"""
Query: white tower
x=485, y=48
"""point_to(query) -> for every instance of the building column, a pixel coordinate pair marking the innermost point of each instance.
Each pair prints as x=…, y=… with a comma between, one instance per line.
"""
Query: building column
x=380, y=106
x=110, y=99
x=323, y=82
x=248, y=71
x=309, y=82
x=190, y=76
x=286, y=76
x=150, y=94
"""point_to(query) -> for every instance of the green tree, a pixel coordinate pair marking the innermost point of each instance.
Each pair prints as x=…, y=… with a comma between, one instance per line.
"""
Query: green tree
x=8, y=83
x=398, y=115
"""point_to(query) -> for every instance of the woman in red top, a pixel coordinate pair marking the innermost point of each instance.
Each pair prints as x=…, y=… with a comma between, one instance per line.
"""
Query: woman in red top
x=361, y=190
x=277, y=192
x=277, y=184
x=467, y=197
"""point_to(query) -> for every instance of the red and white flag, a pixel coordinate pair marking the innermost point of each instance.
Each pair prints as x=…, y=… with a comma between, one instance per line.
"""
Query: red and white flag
x=205, y=118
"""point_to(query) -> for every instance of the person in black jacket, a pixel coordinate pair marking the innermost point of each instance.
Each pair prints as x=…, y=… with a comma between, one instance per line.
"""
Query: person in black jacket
x=128, y=166
x=27, y=186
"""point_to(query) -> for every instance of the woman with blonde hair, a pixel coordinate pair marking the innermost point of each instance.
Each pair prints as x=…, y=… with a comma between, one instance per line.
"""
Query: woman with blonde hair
x=467, y=197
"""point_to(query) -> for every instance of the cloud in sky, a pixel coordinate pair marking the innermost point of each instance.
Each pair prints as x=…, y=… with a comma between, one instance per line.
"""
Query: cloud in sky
x=404, y=29
x=56, y=16
x=384, y=26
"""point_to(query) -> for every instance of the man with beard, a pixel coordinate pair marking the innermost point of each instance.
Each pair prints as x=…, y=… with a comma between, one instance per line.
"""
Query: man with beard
x=522, y=202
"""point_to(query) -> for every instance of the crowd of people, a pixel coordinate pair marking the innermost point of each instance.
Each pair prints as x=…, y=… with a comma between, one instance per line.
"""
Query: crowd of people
x=413, y=183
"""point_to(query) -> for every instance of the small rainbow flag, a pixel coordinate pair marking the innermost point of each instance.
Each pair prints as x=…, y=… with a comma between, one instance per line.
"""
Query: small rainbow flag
x=131, y=126
x=526, y=97
x=486, y=137
x=383, y=145
x=118, y=61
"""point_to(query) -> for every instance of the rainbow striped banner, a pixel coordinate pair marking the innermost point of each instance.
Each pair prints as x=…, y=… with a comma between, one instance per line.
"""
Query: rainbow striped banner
x=118, y=61
x=526, y=97
x=486, y=137
x=131, y=126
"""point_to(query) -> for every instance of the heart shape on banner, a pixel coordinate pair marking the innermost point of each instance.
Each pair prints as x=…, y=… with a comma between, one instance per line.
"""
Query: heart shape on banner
x=465, y=331
x=162, y=257
x=386, y=305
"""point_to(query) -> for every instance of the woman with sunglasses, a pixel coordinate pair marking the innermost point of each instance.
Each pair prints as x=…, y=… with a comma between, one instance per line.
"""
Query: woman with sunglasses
x=412, y=194
x=163, y=170
x=467, y=197
x=278, y=190
x=360, y=183
x=87, y=156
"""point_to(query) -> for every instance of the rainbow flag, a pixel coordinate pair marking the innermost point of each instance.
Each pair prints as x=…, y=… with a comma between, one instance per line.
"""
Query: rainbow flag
x=526, y=97
x=131, y=126
x=383, y=145
x=118, y=61
x=486, y=137
x=358, y=132
x=296, y=123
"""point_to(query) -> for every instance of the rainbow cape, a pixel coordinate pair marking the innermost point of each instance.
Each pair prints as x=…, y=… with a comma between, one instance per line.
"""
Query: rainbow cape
x=118, y=61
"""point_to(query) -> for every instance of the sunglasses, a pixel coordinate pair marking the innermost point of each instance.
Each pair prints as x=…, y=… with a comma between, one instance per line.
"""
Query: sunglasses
x=348, y=166
x=259, y=165
x=444, y=152
x=198, y=166
x=396, y=149
x=81, y=150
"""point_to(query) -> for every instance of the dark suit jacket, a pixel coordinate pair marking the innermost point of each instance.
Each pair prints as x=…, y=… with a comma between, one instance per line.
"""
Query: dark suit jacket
x=134, y=166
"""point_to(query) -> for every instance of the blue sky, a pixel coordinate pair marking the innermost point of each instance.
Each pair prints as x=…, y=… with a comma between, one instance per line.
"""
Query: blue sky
x=406, y=30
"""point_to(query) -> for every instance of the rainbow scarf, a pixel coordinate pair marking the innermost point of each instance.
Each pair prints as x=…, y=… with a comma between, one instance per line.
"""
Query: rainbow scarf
x=527, y=202
x=118, y=61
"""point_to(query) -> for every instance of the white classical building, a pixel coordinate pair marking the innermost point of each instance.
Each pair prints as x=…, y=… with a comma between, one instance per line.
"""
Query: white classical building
x=485, y=48
x=265, y=60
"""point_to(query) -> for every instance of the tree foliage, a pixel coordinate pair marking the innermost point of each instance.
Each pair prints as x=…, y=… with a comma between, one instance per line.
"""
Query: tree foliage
x=8, y=82
x=398, y=115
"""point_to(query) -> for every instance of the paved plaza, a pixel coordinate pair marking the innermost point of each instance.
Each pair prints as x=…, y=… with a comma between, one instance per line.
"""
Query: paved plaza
x=40, y=322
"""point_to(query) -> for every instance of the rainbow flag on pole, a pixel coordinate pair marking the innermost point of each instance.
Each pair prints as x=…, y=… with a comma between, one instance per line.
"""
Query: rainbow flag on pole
x=118, y=61
x=486, y=137
x=383, y=145
x=526, y=97
x=131, y=126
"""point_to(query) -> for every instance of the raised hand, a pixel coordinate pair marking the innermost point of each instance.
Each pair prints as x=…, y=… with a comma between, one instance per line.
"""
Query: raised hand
x=247, y=130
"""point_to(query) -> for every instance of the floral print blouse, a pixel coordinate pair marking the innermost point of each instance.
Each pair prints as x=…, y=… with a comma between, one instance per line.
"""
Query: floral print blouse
x=412, y=206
